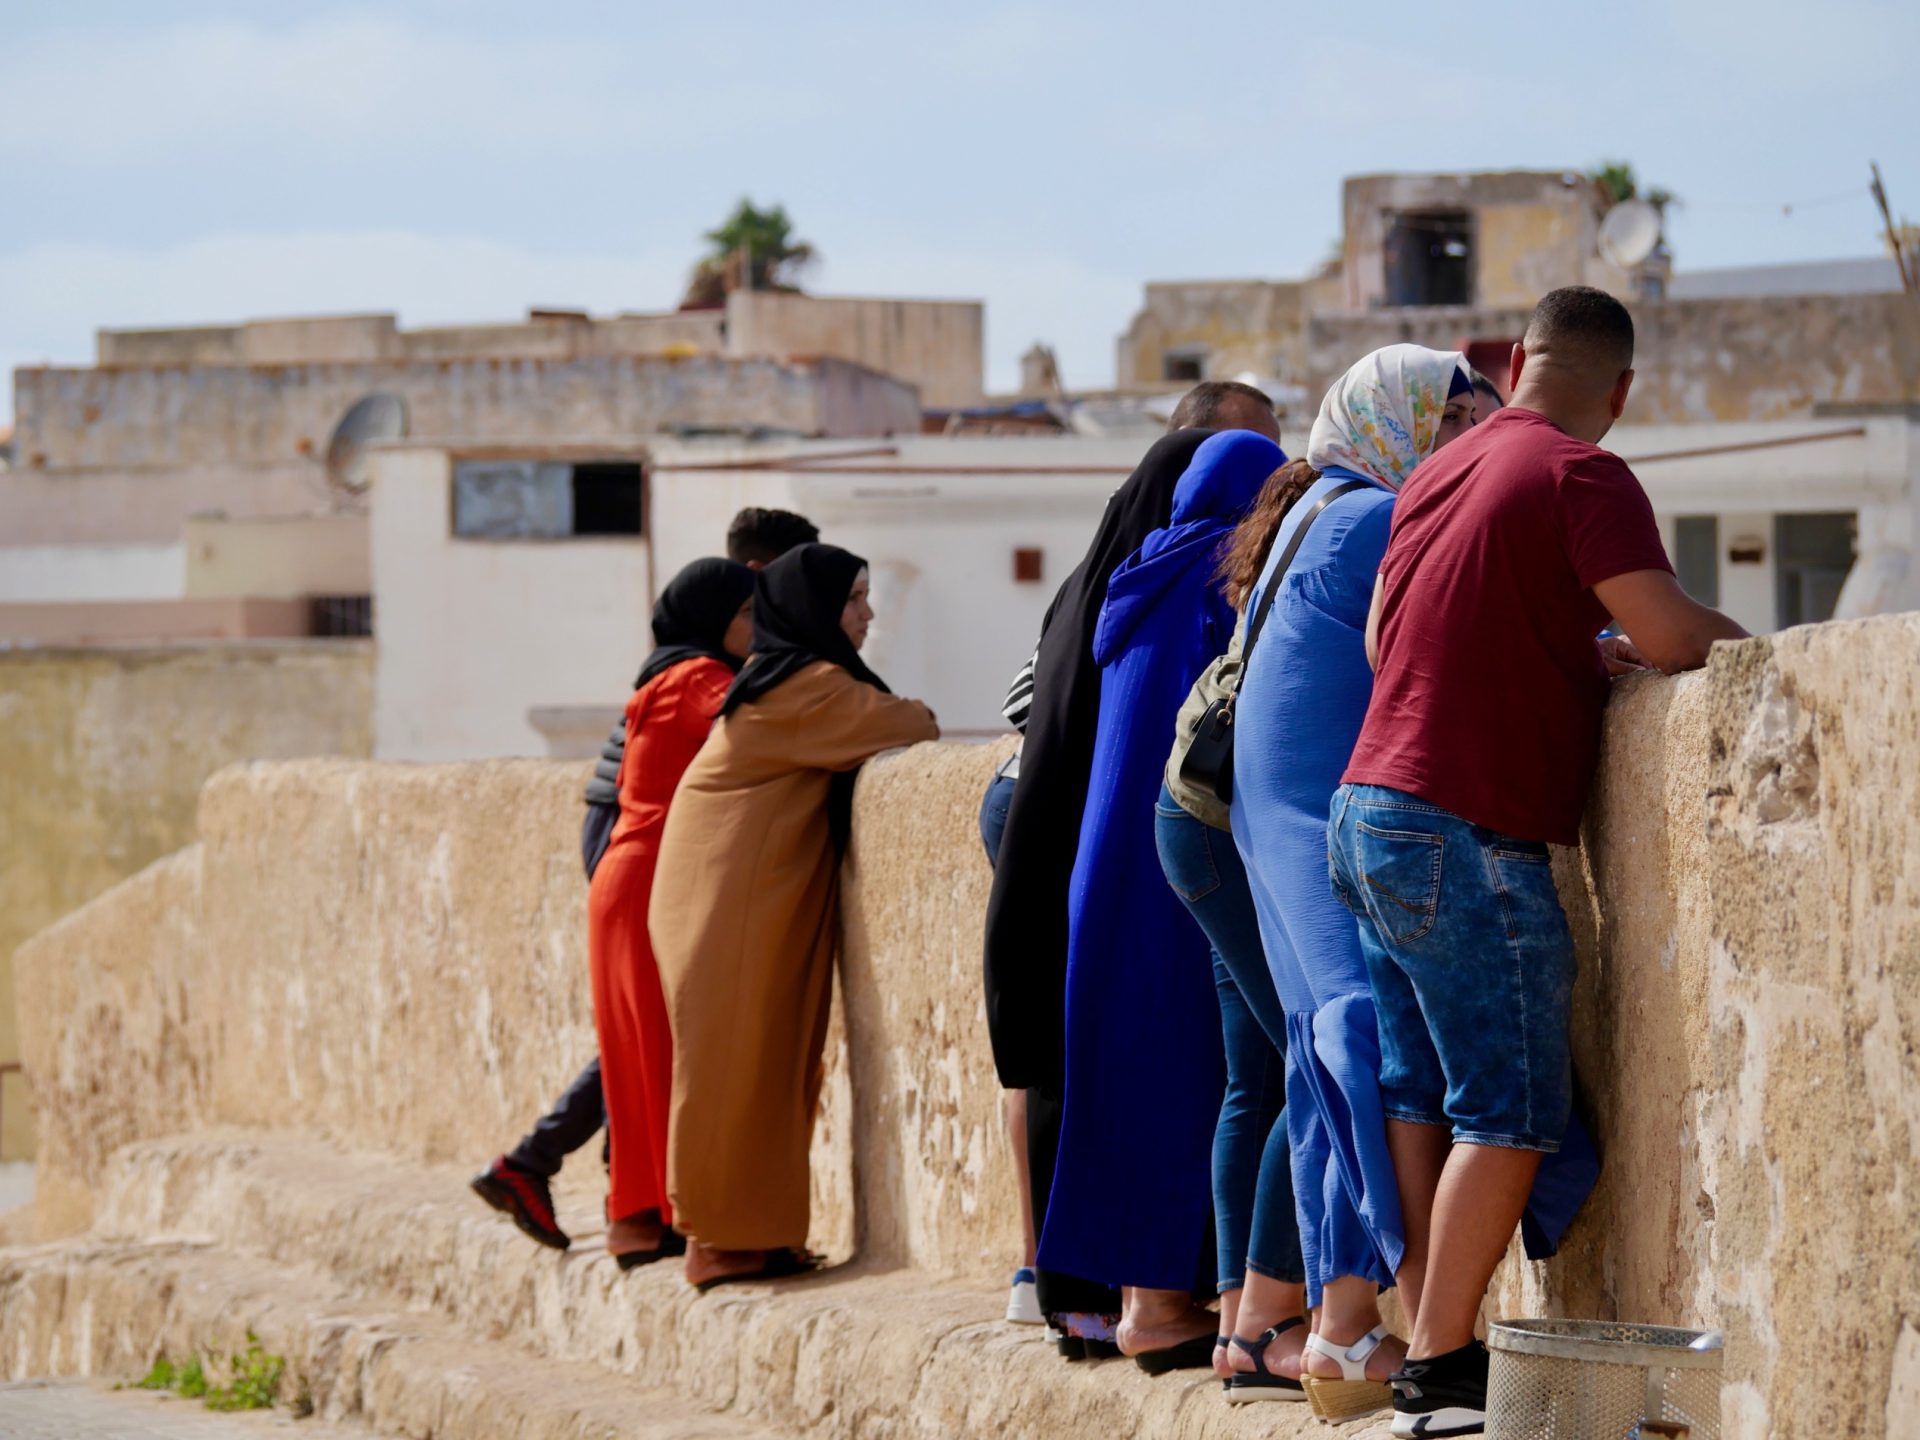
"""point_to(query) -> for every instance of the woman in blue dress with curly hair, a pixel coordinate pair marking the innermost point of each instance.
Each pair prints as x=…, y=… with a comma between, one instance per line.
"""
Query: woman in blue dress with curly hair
x=1303, y=695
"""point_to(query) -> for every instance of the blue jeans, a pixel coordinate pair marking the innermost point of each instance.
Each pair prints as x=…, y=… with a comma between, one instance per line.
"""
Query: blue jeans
x=993, y=813
x=1471, y=965
x=1255, y=1225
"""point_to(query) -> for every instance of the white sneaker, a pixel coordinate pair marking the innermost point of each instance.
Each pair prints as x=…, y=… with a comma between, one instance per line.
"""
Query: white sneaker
x=1023, y=1301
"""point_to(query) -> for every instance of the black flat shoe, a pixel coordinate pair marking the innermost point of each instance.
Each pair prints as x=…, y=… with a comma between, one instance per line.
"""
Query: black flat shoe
x=672, y=1244
x=779, y=1265
x=1194, y=1354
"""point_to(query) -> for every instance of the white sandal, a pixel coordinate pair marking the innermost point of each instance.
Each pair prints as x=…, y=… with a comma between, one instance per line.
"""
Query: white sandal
x=1353, y=1394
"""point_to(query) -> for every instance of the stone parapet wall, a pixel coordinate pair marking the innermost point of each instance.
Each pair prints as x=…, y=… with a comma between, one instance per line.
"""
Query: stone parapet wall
x=935, y=345
x=103, y=753
x=166, y=417
x=395, y=955
x=125, y=454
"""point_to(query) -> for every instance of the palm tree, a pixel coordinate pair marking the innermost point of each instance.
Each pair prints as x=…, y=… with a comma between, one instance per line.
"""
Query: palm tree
x=751, y=249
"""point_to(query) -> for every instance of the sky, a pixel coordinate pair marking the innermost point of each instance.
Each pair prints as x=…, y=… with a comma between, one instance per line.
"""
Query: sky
x=177, y=162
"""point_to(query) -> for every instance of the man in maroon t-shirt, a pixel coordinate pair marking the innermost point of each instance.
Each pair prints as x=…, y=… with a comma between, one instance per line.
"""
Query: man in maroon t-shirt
x=1511, y=549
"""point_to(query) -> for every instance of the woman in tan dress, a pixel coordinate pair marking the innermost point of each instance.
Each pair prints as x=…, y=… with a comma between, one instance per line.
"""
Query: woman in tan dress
x=744, y=916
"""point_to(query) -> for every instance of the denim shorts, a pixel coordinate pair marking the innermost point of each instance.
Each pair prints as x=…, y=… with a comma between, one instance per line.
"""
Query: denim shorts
x=1471, y=964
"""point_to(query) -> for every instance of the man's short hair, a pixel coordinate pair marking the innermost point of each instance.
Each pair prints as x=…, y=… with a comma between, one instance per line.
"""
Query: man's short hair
x=1584, y=330
x=1200, y=407
x=765, y=535
x=1485, y=386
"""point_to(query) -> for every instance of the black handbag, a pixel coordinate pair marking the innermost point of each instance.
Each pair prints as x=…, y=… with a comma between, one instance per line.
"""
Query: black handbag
x=1208, y=763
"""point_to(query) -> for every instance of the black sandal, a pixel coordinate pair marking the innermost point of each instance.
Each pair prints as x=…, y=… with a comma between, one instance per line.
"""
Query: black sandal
x=1261, y=1383
x=1219, y=1345
x=672, y=1244
x=1187, y=1355
x=779, y=1265
x=1074, y=1347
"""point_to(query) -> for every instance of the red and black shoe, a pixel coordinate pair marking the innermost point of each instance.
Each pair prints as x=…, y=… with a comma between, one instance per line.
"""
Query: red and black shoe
x=526, y=1197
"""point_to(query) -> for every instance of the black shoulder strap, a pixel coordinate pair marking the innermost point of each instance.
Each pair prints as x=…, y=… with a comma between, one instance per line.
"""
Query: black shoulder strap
x=1286, y=559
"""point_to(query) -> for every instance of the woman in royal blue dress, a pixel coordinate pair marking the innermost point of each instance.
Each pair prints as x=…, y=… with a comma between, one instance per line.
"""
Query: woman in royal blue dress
x=1303, y=694
x=1144, y=1074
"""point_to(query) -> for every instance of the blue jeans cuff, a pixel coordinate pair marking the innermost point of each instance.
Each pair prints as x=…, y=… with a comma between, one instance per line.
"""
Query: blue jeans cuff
x=1408, y=1116
x=1299, y=1278
x=1506, y=1142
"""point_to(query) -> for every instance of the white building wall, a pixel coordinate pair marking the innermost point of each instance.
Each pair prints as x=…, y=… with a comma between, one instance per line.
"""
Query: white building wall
x=938, y=523
x=1746, y=474
x=475, y=634
x=1747, y=587
x=472, y=634
x=44, y=573
x=951, y=624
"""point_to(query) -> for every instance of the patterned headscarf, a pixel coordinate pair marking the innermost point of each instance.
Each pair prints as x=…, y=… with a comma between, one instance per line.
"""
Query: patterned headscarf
x=1382, y=417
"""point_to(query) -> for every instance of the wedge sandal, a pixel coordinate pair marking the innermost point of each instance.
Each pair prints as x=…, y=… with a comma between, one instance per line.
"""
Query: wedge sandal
x=1353, y=1396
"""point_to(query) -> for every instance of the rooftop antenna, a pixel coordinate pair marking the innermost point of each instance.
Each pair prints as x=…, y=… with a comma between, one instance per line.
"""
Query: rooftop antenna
x=1629, y=233
x=1893, y=235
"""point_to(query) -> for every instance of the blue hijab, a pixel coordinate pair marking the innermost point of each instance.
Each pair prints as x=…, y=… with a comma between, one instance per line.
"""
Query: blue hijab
x=1220, y=484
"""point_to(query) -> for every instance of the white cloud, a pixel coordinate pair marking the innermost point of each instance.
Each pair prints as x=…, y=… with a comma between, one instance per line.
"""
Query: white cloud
x=115, y=94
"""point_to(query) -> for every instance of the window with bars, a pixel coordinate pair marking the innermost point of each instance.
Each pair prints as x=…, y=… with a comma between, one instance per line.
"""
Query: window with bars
x=341, y=616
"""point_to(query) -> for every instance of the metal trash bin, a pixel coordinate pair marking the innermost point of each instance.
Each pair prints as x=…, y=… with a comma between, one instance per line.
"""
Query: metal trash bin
x=1599, y=1379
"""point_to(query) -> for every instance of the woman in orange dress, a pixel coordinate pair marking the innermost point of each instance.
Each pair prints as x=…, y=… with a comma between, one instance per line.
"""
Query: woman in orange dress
x=702, y=626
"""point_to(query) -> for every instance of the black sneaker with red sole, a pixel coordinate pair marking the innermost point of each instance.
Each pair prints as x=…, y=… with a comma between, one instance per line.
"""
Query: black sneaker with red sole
x=524, y=1196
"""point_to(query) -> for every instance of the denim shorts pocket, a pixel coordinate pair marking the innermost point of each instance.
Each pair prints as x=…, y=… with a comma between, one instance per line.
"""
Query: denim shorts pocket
x=1400, y=875
x=1527, y=851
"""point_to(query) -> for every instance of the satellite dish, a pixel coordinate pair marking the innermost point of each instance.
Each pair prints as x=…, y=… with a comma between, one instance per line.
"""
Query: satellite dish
x=1629, y=233
x=370, y=419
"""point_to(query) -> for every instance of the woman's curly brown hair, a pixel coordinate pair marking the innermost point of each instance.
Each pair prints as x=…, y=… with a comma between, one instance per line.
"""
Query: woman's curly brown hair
x=1246, y=551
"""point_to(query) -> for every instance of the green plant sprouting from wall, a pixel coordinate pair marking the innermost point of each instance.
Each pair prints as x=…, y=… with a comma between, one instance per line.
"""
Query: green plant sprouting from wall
x=752, y=248
x=1616, y=182
x=253, y=1378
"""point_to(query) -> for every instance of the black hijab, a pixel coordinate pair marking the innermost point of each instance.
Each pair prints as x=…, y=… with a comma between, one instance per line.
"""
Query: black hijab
x=797, y=602
x=1026, y=931
x=691, y=617
x=796, y=621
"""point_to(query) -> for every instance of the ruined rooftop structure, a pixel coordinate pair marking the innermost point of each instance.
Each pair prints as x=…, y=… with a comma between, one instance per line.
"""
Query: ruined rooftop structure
x=1457, y=261
x=240, y=419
